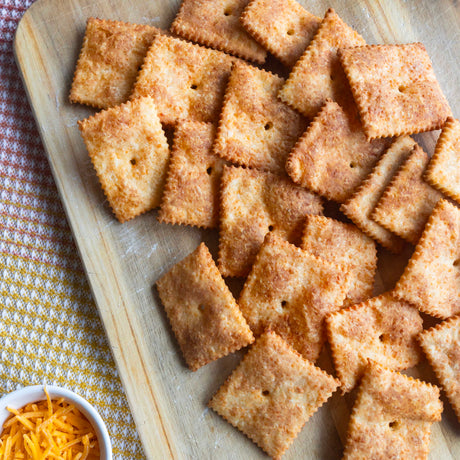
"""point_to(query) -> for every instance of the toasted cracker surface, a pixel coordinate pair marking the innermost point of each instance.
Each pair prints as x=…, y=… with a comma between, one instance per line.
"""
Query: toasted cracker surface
x=130, y=153
x=290, y=291
x=441, y=345
x=253, y=203
x=344, y=245
x=320, y=67
x=395, y=89
x=382, y=329
x=361, y=204
x=256, y=129
x=443, y=171
x=431, y=279
x=272, y=393
x=283, y=27
x=217, y=24
x=203, y=314
x=392, y=417
x=109, y=61
x=333, y=156
x=191, y=192
x=186, y=81
x=408, y=200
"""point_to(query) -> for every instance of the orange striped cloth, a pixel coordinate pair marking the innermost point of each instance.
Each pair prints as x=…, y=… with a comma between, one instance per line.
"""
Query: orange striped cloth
x=50, y=330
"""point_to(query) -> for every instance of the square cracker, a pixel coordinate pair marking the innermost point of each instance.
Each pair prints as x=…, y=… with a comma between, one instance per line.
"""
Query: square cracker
x=272, y=393
x=441, y=345
x=252, y=204
x=443, y=171
x=431, y=279
x=392, y=417
x=395, y=89
x=191, y=192
x=186, y=81
x=318, y=75
x=283, y=27
x=408, y=200
x=109, y=61
x=361, y=204
x=290, y=291
x=344, y=245
x=333, y=156
x=203, y=314
x=130, y=154
x=217, y=24
x=383, y=329
x=256, y=129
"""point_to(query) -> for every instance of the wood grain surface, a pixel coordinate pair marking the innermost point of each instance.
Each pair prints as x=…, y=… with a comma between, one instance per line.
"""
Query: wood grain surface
x=123, y=261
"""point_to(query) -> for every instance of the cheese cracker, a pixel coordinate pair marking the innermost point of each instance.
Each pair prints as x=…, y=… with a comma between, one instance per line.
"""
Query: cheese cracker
x=283, y=27
x=202, y=311
x=130, y=153
x=256, y=129
x=252, y=204
x=272, y=394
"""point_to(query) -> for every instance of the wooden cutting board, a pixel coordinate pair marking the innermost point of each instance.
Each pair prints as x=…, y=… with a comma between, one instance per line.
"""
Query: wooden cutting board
x=123, y=262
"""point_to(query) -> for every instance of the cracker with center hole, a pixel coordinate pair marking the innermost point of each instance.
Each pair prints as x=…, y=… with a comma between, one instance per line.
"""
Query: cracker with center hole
x=109, y=61
x=333, y=156
x=283, y=27
x=130, y=154
x=443, y=171
x=256, y=129
x=408, y=200
x=361, y=204
x=318, y=75
x=186, y=81
x=441, y=345
x=395, y=89
x=252, y=204
x=290, y=291
x=203, y=314
x=191, y=192
x=346, y=246
x=272, y=394
x=383, y=329
x=431, y=279
x=392, y=416
x=217, y=24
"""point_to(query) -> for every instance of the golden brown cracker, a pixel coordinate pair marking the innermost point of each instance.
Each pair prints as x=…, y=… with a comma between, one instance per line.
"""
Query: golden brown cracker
x=217, y=24
x=109, y=61
x=318, y=75
x=392, y=416
x=272, y=393
x=256, y=129
x=130, y=153
x=395, y=89
x=191, y=192
x=441, y=345
x=283, y=27
x=203, y=314
x=333, y=156
x=252, y=204
x=431, y=279
x=408, y=200
x=382, y=329
x=443, y=171
x=186, y=81
x=290, y=291
x=346, y=246
x=362, y=202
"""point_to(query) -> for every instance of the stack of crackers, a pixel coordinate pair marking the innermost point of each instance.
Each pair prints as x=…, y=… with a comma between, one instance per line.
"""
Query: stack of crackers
x=255, y=155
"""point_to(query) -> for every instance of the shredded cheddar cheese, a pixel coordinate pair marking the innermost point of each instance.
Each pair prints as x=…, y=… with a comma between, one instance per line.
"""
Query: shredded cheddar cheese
x=48, y=430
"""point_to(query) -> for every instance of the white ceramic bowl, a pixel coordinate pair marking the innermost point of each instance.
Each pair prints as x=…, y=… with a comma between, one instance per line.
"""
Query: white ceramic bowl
x=26, y=395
